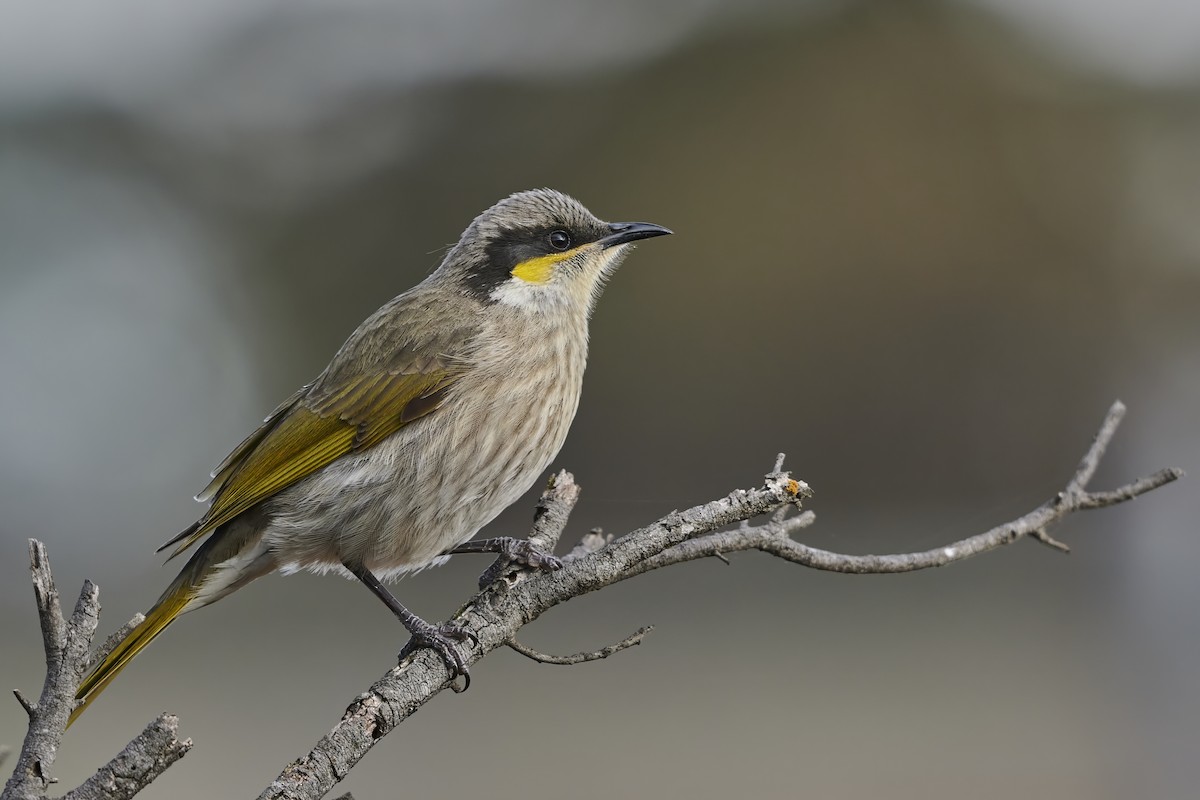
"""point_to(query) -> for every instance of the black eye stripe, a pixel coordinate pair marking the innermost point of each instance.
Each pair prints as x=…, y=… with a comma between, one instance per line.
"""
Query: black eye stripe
x=506, y=248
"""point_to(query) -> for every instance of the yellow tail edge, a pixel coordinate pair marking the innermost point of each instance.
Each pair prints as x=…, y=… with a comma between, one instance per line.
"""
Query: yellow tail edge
x=163, y=614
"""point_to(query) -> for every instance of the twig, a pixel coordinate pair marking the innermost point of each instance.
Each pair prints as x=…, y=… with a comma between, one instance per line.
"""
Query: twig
x=745, y=537
x=1045, y=538
x=631, y=640
x=593, y=540
x=27, y=704
x=496, y=614
x=1129, y=491
x=1091, y=459
x=1035, y=524
x=114, y=639
x=553, y=509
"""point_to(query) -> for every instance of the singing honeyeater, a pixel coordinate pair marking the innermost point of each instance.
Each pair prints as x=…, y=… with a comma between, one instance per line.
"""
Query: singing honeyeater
x=436, y=414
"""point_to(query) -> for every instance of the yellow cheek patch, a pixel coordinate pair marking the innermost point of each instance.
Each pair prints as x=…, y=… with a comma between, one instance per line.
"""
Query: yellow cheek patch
x=540, y=268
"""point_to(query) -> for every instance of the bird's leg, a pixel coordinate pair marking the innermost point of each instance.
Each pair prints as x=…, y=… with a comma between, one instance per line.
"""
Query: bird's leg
x=439, y=638
x=511, y=551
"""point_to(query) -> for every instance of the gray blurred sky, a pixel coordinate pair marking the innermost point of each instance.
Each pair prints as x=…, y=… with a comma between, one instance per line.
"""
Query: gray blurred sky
x=138, y=52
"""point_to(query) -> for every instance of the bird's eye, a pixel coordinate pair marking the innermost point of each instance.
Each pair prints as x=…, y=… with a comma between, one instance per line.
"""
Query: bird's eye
x=559, y=240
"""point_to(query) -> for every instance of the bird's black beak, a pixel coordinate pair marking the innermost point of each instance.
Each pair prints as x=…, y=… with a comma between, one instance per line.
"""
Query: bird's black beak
x=626, y=232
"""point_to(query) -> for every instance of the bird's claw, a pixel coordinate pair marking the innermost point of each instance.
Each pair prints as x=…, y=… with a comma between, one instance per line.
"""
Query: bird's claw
x=522, y=552
x=525, y=553
x=443, y=639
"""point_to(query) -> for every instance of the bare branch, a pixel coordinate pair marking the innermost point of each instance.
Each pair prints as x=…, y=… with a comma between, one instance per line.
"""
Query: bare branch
x=496, y=614
x=745, y=537
x=631, y=640
x=114, y=639
x=67, y=659
x=499, y=611
x=66, y=643
x=1035, y=524
x=142, y=760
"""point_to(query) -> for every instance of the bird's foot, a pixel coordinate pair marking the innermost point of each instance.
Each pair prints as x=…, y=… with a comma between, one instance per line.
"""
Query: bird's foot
x=511, y=551
x=525, y=553
x=442, y=639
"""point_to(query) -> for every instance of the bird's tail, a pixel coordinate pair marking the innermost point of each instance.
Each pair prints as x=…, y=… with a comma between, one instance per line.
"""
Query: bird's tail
x=165, y=611
x=230, y=558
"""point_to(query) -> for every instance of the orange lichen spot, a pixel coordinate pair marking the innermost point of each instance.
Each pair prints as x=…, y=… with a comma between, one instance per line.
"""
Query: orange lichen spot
x=793, y=487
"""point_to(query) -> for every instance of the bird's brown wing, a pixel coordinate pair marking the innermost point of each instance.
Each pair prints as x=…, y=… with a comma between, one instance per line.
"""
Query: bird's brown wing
x=317, y=425
x=227, y=467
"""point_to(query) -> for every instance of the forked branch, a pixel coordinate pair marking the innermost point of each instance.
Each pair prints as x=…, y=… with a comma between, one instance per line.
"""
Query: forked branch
x=518, y=597
x=67, y=644
x=512, y=598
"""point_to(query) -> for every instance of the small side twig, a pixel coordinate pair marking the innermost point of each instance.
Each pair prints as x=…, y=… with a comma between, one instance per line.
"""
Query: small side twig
x=1045, y=538
x=1093, y=500
x=27, y=704
x=631, y=640
x=593, y=541
x=553, y=510
x=1091, y=459
x=114, y=639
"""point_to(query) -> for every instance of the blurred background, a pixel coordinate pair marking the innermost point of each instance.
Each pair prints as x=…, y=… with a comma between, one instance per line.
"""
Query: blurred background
x=921, y=247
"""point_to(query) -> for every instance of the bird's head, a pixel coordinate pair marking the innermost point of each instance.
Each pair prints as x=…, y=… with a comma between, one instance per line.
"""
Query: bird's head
x=539, y=251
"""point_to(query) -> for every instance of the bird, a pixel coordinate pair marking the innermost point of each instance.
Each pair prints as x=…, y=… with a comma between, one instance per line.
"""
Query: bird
x=438, y=412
